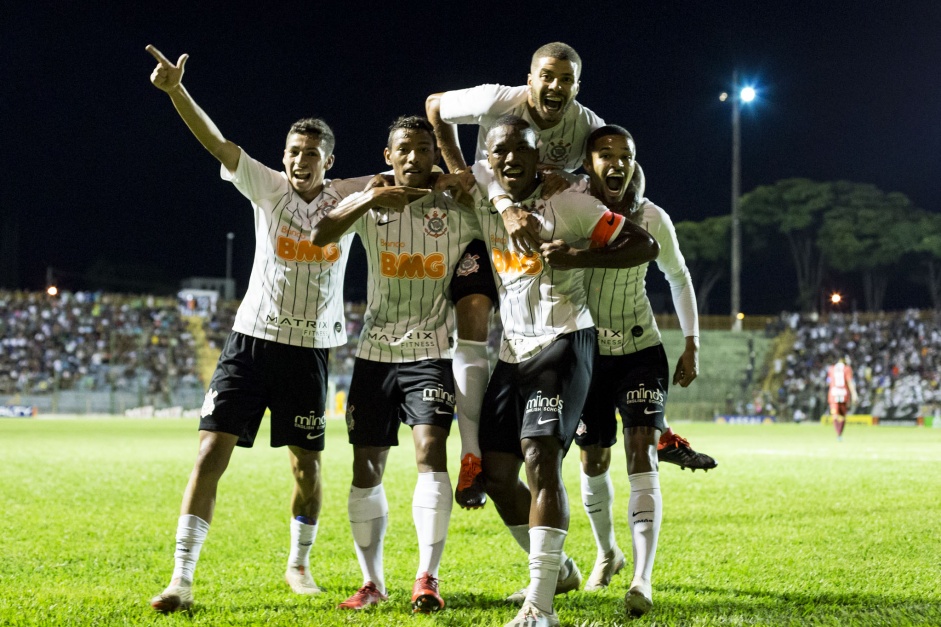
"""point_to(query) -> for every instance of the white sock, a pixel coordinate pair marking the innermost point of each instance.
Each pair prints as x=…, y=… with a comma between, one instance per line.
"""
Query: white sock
x=471, y=374
x=431, y=511
x=302, y=538
x=645, y=511
x=369, y=516
x=545, y=560
x=598, y=498
x=191, y=532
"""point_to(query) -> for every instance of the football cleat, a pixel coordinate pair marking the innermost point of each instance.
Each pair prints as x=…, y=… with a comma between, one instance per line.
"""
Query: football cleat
x=176, y=598
x=298, y=577
x=425, y=597
x=364, y=597
x=470, y=492
x=675, y=449
x=531, y=616
x=638, y=600
x=606, y=567
x=566, y=584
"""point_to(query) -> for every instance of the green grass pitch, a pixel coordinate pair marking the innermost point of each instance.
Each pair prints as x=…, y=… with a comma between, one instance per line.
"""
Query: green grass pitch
x=793, y=528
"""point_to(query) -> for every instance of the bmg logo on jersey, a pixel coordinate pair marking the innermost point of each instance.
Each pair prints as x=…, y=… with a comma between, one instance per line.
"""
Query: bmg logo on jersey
x=436, y=223
x=306, y=252
x=513, y=263
x=643, y=395
x=544, y=403
x=412, y=266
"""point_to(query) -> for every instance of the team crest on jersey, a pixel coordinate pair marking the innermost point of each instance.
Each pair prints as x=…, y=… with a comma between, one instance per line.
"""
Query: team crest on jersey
x=468, y=265
x=350, y=423
x=436, y=223
x=558, y=151
x=326, y=204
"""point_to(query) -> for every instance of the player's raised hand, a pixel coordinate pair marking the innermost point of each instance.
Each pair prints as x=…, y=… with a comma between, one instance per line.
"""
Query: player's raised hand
x=166, y=76
x=380, y=180
x=396, y=197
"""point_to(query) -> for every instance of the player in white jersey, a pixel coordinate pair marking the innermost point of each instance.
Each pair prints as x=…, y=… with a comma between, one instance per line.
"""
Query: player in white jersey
x=561, y=125
x=534, y=399
x=403, y=372
x=276, y=356
x=632, y=371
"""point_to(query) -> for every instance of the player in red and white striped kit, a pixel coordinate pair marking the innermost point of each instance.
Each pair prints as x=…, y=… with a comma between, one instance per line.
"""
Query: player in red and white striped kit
x=403, y=372
x=842, y=388
x=276, y=356
x=535, y=396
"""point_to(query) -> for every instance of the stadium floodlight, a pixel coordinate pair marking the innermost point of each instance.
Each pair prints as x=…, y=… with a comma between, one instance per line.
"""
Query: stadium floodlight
x=836, y=298
x=737, y=95
x=52, y=290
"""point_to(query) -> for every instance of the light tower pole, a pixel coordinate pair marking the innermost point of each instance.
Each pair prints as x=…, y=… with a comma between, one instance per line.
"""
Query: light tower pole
x=738, y=96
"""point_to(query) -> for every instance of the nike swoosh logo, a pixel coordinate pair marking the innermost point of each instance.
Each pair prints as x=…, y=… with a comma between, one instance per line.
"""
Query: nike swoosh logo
x=542, y=422
x=593, y=504
x=444, y=413
x=381, y=223
x=646, y=511
x=647, y=411
x=611, y=221
x=311, y=436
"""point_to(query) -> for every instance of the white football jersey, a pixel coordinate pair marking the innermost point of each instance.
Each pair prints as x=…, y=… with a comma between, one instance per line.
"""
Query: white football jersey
x=562, y=146
x=411, y=258
x=617, y=297
x=295, y=293
x=539, y=303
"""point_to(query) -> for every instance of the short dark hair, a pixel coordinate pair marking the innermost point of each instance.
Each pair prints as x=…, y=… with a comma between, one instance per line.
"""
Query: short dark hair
x=315, y=127
x=558, y=50
x=411, y=123
x=508, y=119
x=604, y=131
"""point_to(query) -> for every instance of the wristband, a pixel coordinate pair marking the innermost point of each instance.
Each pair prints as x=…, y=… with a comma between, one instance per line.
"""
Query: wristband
x=502, y=203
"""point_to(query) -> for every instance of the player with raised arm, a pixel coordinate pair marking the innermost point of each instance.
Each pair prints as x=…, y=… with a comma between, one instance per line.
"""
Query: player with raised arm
x=534, y=399
x=403, y=372
x=841, y=388
x=276, y=355
x=632, y=371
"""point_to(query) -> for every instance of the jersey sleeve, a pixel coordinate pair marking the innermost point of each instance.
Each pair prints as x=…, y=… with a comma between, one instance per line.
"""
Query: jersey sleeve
x=255, y=180
x=673, y=265
x=588, y=218
x=476, y=104
x=346, y=187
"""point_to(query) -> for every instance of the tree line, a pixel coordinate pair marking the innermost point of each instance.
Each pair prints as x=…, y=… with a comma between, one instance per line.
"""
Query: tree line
x=826, y=229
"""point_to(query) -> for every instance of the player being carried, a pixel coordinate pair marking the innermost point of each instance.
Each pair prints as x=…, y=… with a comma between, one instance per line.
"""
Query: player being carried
x=403, y=371
x=562, y=125
x=276, y=355
x=533, y=402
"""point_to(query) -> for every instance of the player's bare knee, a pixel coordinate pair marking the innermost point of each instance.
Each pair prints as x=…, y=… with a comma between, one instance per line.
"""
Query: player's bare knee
x=596, y=460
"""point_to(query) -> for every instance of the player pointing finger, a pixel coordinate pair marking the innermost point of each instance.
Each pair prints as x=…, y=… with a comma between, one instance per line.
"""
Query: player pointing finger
x=166, y=76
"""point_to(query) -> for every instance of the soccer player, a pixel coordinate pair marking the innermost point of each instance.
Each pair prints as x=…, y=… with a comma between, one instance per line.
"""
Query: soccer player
x=841, y=386
x=534, y=399
x=632, y=372
x=276, y=355
x=562, y=125
x=403, y=371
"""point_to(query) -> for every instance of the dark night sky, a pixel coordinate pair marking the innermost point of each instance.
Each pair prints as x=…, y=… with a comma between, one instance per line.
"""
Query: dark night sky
x=98, y=166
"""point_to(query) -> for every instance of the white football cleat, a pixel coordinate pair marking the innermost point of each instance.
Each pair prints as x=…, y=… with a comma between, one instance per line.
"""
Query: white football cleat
x=531, y=616
x=298, y=577
x=639, y=599
x=606, y=567
x=572, y=581
x=176, y=598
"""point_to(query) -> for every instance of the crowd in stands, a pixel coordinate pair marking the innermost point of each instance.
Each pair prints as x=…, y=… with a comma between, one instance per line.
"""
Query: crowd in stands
x=896, y=360
x=93, y=341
